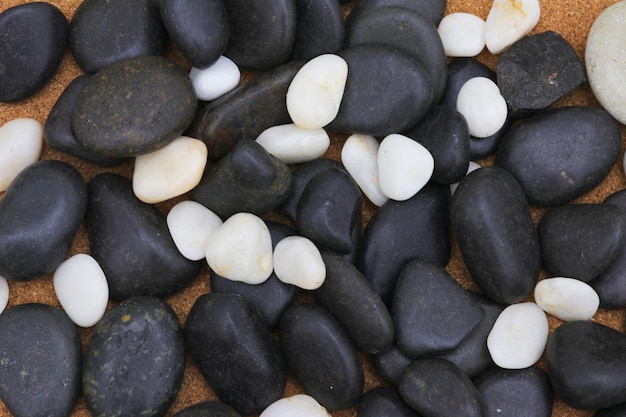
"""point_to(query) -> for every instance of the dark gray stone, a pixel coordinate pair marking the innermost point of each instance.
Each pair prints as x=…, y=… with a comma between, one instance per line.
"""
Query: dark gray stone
x=483, y=147
x=319, y=30
x=433, y=10
x=461, y=70
x=391, y=363
x=208, y=409
x=383, y=401
x=615, y=411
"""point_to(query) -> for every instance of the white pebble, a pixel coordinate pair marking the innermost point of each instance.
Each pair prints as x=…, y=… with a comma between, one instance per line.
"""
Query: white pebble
x=483, y=107
x=518, y=336
x=21, y=142
x=292, y=144
x=315, y=93
x=241, y=249
x=404, y=166
x=4, y=293
x=567, y=299
x=299, y=405
x=82, y=289
x=297, y=261
x=170, y=171
x=473, y=166
x=216, y=80
x=462, y=34
x=359, y=156
x=509, y=21
x=190, y=224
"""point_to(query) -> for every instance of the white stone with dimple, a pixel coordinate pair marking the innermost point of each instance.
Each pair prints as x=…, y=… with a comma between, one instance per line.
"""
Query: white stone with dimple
x=190, y=224
x=292, y=144
x=216, y=80
x=509, y=21
x=82, y=289
x=472, y=166
x=567, y=299
x=297, y=261
x=170, y=171
x=315, y=93
x=300, y=405
x=21, y=142
x=404, y=166
x=359, y=156
x=480, y=102
x=519, y=336
x=4, y=293
x=241, y=249
x=462, y=34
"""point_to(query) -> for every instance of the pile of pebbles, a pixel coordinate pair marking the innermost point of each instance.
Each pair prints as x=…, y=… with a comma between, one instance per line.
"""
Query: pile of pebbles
x=160, y=173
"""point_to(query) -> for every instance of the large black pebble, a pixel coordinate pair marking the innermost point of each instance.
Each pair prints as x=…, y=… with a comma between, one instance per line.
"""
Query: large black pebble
x=383, y=401
x=433, y=10
x=208, y=409
x=319, y=30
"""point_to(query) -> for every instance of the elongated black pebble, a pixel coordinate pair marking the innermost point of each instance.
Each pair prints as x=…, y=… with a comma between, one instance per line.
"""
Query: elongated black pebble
x=320, y=29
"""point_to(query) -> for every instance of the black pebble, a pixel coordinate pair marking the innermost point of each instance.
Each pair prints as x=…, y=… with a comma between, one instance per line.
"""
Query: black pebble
x=391, y=363
x=208, y=409
x=433, y=10
x=461, y=70
x=383, y=401
x=319, y=30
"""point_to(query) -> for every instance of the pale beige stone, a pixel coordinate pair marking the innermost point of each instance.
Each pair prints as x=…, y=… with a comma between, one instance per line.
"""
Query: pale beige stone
x=21, y=142
x=509, y=21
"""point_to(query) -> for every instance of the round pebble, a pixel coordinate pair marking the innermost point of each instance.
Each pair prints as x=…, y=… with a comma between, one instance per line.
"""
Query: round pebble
x=567, y=299
x=190, y=225
x=4, y=293
x=359, y=156
x=294, y=145
x=482, y=105
x=297, y=261
x=472, y=166
x=462, y=34
x=509, y=21
x=300, y=405
x=215, y=80
x=21, y=142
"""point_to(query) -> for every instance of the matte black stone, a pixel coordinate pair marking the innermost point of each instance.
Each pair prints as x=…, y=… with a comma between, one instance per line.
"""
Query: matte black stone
x=261, y=33
x=40, y=214
x=134, y=107
x=218, y=328
x=401, y=231
x=383, y=401
x=199, y=28
x=536, y=71
x=103, y=32
x=431, y=312
x=135, y=360
x=461, y=70
x=245, y=112
x=33, y=41
x=391, y=363
x=560, y=154
x=615, y=411
x=320, y=29
x=516, y=392
x=435, y=387
x=208, y=409
x=386, y=92
x=132, y=243
x=433, y=10
x=41, y=357
x=494, y=229
x=581, y=240
x=587, y=363
x=483, y=147
x=321, y=356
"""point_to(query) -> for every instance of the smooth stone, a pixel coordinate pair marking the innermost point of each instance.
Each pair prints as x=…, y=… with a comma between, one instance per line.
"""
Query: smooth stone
x=509, y=21
x=462, y=34
x=190, y=225
x=536, y=71
x=241, y=249
x=123, y=111
x=294, y=145
x=103, y=32
x=135, y=359
x=435, y=387
x=297, y=261
x=567, y=299
x=505, y=262
x=351, y=300
x=248, y=179
x=390, y=364
x=396, y=98
x=587, y=363
x=321, y=356
x=214, y=81
x=4, y=293
x=383, y=401
x=581, y=240
x=481, y=148
x=199, y=29
x=516, y=393
x=482, y=105
x=460, y=71
x=401, y=231
x=320, y=29
x=208, y=409
x=40, y=352
x=82, y=289
x=432, y=10
x=300, y=405
x=30, y=58
x=359, y=156
x=614, y=411
x=261, y=34
x=249, y=379
x=228, y=120
x=131, y=242
x=40, y=214
x=21, y=142
x=518, y=337
x=472, y=166
x=443, y=317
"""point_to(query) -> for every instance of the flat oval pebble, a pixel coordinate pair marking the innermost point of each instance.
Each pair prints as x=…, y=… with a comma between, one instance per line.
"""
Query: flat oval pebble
x=320, y=29
x=300, y=405
x=208, y=408
x=214, y=81
x=82, y=289
x=509, y=21
x=432, y=10
x=297, y=261
x=383, y=401
x=190, y=225
x=359, y=156
x=518, y=337
x=566, y=299
x=482, y=105
x=462, y=34
x=294, y=145
x=135, y=360
x=21, y=142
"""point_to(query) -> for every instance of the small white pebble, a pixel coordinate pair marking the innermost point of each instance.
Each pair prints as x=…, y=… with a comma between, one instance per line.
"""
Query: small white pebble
x=294, y=145
x=190, y=224
x=473, y=166
x=21, y=142
x=509, y=21
x=216, y=80
x=483, y=107
x=462, y=34
x=567, y=299
x=359, y=156
x=297, y=261
x=299, y=405
x=4, y=293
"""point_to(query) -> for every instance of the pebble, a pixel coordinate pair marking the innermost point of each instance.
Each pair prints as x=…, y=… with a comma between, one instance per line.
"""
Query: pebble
x=390, y=364
x=135, y=359
x=4, y=293
x=482, y=105
x=481, y=148
x=191, y=224
x=36, y=238
x=518, y=337
x=383, y=401
x=300, y=405
x=214, y=81
x=472, y=166
x=294, y=145
x=432, y=10
x=460, y=71
x=297, y=261
x=509, y=21
x=30, y=58
x=462, y=34
x=208, y=408
x=241, y=249
x=82, y=289
x=248, y=379
x=567, y=299
x=359, y=156
x=21, y=142
x=320, y=29
x=615, y=411
x=103, y=32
